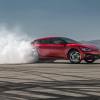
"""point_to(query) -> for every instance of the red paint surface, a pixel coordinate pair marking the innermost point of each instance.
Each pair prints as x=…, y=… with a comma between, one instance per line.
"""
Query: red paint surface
x=60, y=51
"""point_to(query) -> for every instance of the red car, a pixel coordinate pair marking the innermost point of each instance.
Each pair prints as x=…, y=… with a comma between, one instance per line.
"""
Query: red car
x=53, y=48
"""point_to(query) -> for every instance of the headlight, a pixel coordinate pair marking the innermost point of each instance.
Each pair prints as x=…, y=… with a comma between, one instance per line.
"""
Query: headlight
x=86, y=49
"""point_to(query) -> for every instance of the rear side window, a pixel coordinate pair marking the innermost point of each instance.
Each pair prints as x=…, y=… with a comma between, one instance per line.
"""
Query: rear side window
x=45, y=41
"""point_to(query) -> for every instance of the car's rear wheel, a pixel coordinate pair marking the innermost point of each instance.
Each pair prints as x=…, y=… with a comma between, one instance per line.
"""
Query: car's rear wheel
x=35, y=55
x=36, y=58
x=74, y=56
x=89, y=59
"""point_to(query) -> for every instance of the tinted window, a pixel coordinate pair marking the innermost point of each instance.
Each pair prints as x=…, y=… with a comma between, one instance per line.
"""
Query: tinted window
x=67, y=40
x=57, y=41
x=45, y=41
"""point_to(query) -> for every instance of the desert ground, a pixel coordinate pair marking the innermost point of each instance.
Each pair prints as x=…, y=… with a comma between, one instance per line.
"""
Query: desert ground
x=50, y=81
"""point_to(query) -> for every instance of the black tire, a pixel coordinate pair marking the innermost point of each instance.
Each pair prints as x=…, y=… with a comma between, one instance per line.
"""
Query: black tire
x=74, y=57
x=35, y=55
x=89, y=59
x=46, y=61
x=49, y=61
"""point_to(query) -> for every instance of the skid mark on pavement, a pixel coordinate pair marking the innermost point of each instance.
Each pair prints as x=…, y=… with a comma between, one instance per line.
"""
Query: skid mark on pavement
x=52, y=90
x=50, y=82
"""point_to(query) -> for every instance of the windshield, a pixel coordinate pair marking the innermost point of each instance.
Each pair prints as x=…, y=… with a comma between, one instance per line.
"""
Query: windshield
x=67, y=40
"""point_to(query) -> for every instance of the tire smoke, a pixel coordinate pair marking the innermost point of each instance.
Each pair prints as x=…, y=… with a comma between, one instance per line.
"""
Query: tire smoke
x=15, y=47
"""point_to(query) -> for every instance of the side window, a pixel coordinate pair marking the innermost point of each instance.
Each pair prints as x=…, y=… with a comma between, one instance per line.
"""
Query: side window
x=57, y=41
x=45, y=41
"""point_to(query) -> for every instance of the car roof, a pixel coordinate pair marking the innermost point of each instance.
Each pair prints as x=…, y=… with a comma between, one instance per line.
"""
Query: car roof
x=50, y=37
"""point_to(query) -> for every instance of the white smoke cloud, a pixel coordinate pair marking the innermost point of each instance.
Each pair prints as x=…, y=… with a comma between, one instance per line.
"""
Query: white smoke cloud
x=15, y=47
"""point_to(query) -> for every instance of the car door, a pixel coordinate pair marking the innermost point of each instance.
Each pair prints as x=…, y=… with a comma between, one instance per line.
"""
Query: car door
x=58, y=47
x=44, y=48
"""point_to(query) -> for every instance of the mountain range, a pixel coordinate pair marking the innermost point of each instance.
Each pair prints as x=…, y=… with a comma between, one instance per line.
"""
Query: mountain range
x=94, y=42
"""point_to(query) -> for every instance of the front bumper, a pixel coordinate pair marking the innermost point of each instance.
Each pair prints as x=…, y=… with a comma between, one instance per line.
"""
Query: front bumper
x=95, y=54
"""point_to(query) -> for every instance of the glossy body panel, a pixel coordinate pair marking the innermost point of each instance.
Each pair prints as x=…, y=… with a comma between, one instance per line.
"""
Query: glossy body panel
x=61, y=50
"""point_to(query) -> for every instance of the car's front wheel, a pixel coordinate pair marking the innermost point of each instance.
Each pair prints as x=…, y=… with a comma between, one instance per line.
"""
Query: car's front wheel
x=74, y=56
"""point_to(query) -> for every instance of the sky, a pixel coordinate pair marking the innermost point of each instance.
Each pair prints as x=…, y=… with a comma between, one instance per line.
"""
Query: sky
x=77, y=19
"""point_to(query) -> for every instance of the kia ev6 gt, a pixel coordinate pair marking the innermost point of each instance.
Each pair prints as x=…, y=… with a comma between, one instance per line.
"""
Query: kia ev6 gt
x=53, y=48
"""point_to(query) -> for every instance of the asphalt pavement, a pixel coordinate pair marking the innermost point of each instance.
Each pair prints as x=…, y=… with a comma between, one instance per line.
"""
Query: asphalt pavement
x=50, y=81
